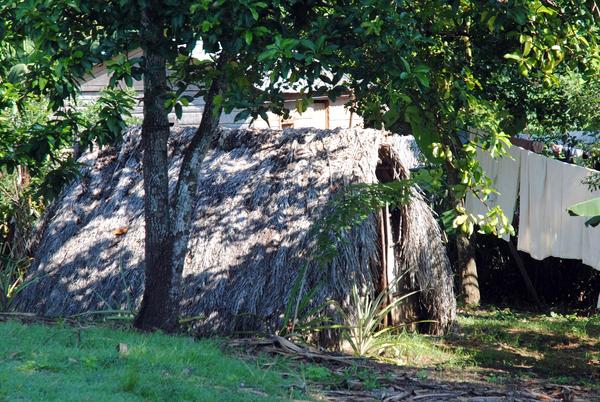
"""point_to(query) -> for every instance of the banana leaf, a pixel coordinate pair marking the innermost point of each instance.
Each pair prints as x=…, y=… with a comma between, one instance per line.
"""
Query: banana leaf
x=589, y=208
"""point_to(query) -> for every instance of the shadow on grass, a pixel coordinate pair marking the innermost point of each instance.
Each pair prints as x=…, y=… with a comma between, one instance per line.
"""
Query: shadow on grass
x=553, y=347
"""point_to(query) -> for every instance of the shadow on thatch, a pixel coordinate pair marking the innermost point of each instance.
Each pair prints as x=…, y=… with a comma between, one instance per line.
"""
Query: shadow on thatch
x=260, y=192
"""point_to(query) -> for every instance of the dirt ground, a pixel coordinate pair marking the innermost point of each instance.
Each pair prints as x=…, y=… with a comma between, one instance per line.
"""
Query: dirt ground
x=350, y=379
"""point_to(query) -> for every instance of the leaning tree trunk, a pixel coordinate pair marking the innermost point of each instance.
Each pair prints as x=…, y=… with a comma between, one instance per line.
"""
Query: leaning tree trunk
x=158, y=309
x=184, y=198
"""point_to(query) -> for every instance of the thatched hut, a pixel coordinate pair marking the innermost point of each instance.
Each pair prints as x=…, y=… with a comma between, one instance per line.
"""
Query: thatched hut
x=260, y=192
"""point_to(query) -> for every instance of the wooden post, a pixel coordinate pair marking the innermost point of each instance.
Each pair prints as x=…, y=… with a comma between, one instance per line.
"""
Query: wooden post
x=383, y=284
x=528, y=284
x=390, y=263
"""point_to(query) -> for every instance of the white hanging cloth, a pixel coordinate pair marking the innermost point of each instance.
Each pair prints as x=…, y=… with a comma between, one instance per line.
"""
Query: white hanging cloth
x=504, y=173
x=548, y=188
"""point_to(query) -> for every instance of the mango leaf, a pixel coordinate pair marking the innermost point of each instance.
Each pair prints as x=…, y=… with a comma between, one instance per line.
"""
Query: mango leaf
x=16, y=72
x=513, y=56
x=391, y=117
x=590, y=208
x=178, y=110
x=423, y=129
x=546, y=10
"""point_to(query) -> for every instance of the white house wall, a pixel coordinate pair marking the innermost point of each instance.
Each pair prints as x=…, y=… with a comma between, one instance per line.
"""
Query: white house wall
x=318, y=115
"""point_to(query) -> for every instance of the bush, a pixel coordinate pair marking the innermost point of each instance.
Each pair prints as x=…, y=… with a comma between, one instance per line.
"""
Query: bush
x=37, y=159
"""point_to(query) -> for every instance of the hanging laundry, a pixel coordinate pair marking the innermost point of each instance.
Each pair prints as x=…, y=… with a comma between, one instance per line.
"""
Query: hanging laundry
x=532, y=206
x=575, y=192
x=504, y=173
x=548, y=188
x=571, y=228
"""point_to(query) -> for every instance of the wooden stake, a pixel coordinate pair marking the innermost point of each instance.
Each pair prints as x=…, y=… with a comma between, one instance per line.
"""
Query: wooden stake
x=390, y=263
x=525, y=275
x=383, y=282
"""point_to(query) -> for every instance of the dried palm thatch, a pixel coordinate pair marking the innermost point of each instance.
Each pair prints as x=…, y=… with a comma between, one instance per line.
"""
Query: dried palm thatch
x=260, y=192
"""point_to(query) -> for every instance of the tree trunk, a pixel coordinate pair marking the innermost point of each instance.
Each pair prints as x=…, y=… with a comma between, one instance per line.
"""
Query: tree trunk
x=158, y=309
x=168, y=225
x=467, y=267
x=465, y=261
x=187, y=183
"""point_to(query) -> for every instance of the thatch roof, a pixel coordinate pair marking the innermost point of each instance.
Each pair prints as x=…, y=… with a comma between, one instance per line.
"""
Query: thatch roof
x=260, y=192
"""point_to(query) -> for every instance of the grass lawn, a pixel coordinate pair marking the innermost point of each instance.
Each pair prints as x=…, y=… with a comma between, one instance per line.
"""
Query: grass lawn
x=507, y=346
x=43, y=363
x=560, y=348
x=490, y=347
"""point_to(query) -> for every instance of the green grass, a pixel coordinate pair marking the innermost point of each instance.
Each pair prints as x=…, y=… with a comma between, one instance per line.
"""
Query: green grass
x=561, y=348
x=501, y=346
x=67, y=363
x=412, y=349
x=43, y=363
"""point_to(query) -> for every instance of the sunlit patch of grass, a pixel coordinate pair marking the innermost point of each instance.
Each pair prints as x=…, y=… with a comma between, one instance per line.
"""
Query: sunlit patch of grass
x=550, y=345
x=508, y=345
x=41, y=363
x=419, y=350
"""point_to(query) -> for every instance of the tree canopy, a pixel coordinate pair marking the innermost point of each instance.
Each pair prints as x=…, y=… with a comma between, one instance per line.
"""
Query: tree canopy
x=459, y=75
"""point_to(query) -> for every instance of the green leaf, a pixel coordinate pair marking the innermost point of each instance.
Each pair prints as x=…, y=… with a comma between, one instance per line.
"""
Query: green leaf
x=17, y=72
x=424, y=130
x=218, y=100
x=263, y=115
x=113, y=125
x=593, y=222
x=490, y=23
x=546, y=10
x=267, y=54
x=308, y=44
x=527, y=47
x=178, y=110
x=254, y=13
x=423, y=79
x=589, y=208
x=513, y=56
x=242, y=116
x=42, y=83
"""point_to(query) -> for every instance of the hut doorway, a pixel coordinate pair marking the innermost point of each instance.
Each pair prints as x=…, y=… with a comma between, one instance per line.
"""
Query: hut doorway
x=391, y=227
